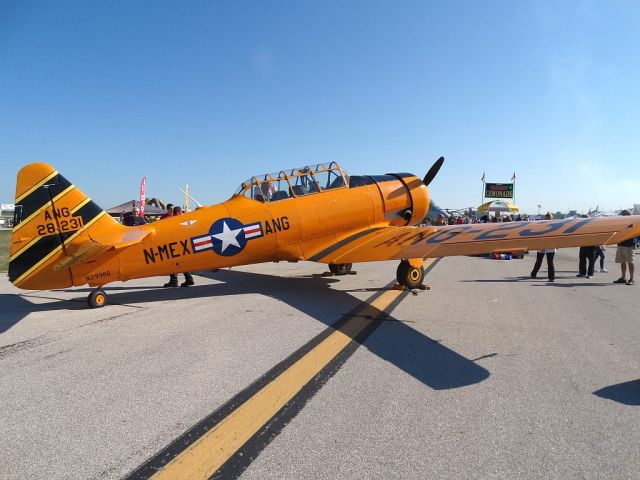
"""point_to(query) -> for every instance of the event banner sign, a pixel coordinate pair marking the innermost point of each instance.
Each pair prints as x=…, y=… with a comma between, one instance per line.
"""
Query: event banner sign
x=498, y=190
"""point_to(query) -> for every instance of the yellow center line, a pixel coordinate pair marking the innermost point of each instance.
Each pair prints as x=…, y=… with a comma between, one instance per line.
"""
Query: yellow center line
x=207, y=454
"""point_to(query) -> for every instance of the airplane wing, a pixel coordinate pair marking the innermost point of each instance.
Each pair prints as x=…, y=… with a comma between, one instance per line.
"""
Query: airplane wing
x=389, y=243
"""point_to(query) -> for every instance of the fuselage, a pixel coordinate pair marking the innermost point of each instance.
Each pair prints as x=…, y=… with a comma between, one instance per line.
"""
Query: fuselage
x=243, y=231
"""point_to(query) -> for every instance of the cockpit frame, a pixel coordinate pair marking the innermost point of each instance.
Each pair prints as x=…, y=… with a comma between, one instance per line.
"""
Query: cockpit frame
x=295, y=182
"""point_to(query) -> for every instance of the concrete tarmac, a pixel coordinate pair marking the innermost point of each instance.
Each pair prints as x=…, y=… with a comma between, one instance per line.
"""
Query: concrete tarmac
x=490, y=374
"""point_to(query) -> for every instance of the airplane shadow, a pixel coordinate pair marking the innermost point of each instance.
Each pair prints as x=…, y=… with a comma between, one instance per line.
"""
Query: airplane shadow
x=627, y=393
x=541, y=281
x=420, y=356
x=15, y=307
x=574, y=284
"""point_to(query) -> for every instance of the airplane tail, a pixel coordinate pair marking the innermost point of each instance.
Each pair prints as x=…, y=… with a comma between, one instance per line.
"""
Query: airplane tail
x=52, y=221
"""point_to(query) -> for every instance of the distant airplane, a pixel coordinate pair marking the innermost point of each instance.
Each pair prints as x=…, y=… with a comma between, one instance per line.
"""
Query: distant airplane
x=319, y=213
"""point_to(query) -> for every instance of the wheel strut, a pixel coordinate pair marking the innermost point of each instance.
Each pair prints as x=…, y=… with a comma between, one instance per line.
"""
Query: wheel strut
x=340, y=268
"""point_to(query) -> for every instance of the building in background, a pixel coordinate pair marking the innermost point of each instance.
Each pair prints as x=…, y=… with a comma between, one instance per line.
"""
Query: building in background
x=6, y=215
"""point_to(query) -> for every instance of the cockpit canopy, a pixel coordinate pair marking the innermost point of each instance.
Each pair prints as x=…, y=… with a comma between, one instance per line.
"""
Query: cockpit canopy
x=296, y=182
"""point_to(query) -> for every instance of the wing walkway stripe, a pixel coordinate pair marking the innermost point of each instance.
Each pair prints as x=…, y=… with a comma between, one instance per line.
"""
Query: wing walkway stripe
x=224, y=443
x=318, y=256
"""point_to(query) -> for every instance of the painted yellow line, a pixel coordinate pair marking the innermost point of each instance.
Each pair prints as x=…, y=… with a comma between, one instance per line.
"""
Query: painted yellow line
x=32, y=270
x=36, y=186
x=206, y=455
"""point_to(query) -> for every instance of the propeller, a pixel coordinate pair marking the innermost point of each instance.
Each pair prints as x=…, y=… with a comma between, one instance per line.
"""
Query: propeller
x=433, y=171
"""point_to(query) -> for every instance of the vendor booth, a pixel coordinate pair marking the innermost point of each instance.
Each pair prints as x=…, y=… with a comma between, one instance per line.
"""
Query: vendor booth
x=498, y=206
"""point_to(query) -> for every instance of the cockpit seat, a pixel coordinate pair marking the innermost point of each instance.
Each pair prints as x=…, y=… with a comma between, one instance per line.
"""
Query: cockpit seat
x=279, y=195
x=299, y=190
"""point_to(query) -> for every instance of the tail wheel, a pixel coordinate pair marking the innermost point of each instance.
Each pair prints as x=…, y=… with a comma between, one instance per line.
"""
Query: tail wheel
x=409, y=276
x=97, y=298
x=340, y=268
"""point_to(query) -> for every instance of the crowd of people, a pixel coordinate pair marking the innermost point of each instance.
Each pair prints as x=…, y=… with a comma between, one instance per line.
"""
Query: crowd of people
x=462, y=219
x=587, y=257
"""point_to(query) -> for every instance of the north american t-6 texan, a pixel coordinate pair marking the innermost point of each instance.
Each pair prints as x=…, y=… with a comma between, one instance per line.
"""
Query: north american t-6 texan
x=319, y=213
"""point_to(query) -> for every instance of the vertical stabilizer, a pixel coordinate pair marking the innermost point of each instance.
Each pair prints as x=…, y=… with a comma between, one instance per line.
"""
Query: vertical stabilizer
x=51, y=216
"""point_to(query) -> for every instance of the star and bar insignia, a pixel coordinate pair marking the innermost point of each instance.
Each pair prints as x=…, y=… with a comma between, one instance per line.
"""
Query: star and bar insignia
x=226, y=237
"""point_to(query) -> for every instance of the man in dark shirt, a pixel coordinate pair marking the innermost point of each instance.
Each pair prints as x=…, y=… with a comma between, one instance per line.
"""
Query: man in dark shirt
x=169, y=211
x=131, y=219
x=624, y=256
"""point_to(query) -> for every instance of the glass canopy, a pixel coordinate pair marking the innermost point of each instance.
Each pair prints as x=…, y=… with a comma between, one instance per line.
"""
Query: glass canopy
x=296, y=182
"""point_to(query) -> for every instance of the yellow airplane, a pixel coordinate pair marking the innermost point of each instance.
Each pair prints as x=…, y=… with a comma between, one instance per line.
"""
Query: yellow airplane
x=319, y=213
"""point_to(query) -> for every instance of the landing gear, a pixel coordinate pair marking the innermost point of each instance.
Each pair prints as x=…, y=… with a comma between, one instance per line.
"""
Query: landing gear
x=340, y=268
x=97, y=298
x=409, y=275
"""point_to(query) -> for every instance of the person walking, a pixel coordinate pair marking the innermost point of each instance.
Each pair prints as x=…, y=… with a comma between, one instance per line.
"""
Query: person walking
x=586, y=256
x=600, y=254
x=624, y=256
x=551, y=271
x=550, y=253
x=188, y=279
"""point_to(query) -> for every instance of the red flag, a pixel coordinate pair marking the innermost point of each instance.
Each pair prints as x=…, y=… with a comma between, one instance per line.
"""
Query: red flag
x=143, y=195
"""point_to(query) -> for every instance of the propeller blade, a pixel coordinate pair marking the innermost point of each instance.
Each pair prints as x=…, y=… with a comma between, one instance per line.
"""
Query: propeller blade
x=433, y=171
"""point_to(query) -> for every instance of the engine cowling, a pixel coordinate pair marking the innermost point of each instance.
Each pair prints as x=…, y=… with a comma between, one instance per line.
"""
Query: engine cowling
x=405, y=198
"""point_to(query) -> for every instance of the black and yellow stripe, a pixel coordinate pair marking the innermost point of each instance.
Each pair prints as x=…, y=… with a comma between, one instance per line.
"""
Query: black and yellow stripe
x=36, y=186
x=39, y=198
x=25, y=220
x=25, y=262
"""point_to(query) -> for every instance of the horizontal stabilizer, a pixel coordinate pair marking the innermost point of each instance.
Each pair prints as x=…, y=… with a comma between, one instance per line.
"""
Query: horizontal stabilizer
x=121, y=238
x=94, y=246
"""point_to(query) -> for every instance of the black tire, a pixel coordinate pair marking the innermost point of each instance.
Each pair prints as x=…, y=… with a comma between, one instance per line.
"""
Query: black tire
x=97, y=298
x=340, y=268
x=409, y=276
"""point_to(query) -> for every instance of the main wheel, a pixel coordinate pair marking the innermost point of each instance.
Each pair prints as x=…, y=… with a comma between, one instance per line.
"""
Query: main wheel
x=340, y=268
x=409, y=276
x=97, y=298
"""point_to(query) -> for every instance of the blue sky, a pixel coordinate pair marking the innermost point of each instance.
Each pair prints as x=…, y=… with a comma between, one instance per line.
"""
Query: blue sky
x=210, y=93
